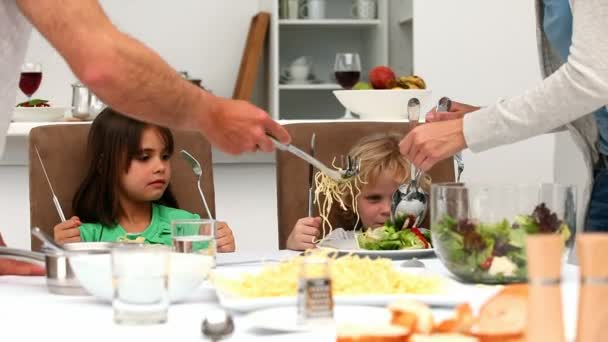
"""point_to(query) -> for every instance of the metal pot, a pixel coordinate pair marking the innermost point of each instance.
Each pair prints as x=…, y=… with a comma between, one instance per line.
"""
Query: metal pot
x=60, y=278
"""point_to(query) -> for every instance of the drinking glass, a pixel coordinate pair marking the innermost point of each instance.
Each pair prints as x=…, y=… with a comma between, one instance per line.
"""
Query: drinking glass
x=140, y=279
x=347, y=69
x=194, y=236
x=31, y=76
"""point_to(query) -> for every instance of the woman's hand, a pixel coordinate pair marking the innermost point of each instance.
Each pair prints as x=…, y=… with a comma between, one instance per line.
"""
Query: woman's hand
x=225, y=238
x=68, y=231
x=304, y=233
x=428, y=144
x=457, y=111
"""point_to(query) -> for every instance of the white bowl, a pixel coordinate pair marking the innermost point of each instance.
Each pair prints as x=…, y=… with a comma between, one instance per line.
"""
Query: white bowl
x=376, y=104
x=39, y=114
x=187, y=273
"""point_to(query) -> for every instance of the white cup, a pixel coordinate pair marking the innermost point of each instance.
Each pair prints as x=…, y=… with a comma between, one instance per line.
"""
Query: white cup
x=313, y=9
x=299, y=72
x=364, y=9
x=292, y=9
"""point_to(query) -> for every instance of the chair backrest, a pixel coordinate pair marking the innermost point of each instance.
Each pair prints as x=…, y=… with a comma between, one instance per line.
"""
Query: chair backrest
x=63, y=147
x=332, y=139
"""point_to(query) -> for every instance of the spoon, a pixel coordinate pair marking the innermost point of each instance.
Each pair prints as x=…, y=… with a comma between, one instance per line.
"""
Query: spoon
x=411, y=200
x=413, y=263
x=217, y=325
x=444, y=105
x=47, y=240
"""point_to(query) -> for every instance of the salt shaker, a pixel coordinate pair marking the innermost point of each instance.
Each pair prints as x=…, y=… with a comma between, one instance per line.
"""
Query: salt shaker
x=80, y=100
x=545, y=320
x=592, y=251
x=315, y=300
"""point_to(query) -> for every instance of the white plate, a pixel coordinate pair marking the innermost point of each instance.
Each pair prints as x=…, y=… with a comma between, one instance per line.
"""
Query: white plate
x=344, y=242
x=387, y=104
x=394, y=255
x=284, y=319
x=454, y=293
x=38, y=114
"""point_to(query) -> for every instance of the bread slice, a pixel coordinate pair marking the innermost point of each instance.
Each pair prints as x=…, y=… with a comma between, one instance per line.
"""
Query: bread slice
x=503, y=317
x=413, y=315
x=372, y=333
x=443, y=338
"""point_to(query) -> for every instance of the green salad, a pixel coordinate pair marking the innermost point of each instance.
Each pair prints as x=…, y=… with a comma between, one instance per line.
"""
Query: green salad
x=492, y=252
x=395, y=235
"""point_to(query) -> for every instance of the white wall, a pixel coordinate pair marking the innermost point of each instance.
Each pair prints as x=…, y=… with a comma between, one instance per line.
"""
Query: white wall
x=477, y=51
x=204, y=37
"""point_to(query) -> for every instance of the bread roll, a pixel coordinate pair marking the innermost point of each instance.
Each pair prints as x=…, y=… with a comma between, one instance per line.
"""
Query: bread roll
x=413, y=315
x=503, y=317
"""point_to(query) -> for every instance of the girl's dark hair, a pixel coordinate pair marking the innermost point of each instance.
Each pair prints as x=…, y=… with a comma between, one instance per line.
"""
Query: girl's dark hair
x=114, y=140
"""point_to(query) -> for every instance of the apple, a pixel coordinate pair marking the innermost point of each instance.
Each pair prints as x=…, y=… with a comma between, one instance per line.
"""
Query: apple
x=382, y=77
x=362, y=86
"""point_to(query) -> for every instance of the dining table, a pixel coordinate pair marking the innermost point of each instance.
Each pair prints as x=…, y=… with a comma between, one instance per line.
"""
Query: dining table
x=28, y=312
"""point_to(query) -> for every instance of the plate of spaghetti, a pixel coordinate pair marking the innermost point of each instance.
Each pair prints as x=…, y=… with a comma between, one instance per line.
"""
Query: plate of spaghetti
x=355, y=281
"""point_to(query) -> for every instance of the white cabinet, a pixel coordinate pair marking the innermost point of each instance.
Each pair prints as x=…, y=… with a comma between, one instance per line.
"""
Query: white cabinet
x=321, y=39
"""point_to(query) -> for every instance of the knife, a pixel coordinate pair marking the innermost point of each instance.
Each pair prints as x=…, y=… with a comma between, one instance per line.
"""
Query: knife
x=55, y=200
x=311, y=176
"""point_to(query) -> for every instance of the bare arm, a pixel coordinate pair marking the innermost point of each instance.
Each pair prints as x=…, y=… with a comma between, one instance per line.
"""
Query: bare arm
x=134, y=80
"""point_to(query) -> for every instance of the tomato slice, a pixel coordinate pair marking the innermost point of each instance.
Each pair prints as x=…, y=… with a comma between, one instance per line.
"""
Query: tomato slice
x=420, y=236
x=487, y=263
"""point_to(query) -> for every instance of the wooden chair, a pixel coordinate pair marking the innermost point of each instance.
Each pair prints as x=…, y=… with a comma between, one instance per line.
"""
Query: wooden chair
x=332, y=139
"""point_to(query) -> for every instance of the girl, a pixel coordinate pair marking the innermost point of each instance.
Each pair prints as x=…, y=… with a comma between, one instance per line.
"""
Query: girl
x=126, y=193
x=383, y=170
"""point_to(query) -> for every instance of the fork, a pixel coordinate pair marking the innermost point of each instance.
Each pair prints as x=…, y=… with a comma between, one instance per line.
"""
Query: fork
x=352, y=167
x=198, y=171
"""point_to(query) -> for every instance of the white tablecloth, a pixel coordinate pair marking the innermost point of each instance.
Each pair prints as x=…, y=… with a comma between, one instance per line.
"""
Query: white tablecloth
x=29, y=313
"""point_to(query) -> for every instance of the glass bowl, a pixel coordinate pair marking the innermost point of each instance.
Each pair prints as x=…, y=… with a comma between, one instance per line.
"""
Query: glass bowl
x=479, y=230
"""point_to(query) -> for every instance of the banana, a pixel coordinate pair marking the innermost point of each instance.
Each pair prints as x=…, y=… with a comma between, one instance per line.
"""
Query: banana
x=414, y=81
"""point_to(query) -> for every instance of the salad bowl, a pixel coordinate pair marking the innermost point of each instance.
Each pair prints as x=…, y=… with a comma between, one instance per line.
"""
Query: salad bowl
x=478, y=231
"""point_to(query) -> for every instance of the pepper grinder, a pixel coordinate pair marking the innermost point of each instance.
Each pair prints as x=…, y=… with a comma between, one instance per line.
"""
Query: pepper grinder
x=592, y=251
x=545, y=318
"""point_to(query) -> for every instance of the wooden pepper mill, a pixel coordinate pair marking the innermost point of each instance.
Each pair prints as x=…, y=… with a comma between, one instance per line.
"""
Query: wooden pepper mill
x=545, y=320
x=592, y=251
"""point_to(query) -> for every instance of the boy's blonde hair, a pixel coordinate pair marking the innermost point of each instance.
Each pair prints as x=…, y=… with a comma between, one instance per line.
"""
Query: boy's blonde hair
x=378, y=153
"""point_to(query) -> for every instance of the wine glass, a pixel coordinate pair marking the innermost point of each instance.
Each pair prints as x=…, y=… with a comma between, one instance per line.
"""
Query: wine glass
x=31, y=76
x=347, y=70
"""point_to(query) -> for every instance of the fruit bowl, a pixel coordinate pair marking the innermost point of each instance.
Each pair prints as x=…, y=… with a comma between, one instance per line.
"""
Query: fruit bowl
x=39, y=114
x=479, y=230
x=382, y=104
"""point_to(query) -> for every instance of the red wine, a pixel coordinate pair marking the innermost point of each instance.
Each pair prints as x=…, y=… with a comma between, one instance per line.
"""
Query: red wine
x=347, y=79
x=29, y=82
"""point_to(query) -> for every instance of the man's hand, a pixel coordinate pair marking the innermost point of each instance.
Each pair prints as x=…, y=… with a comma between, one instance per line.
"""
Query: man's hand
x=238, y=126
x=68, y=231
x=457, y=111
x=430, y=143
x=13, y=267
